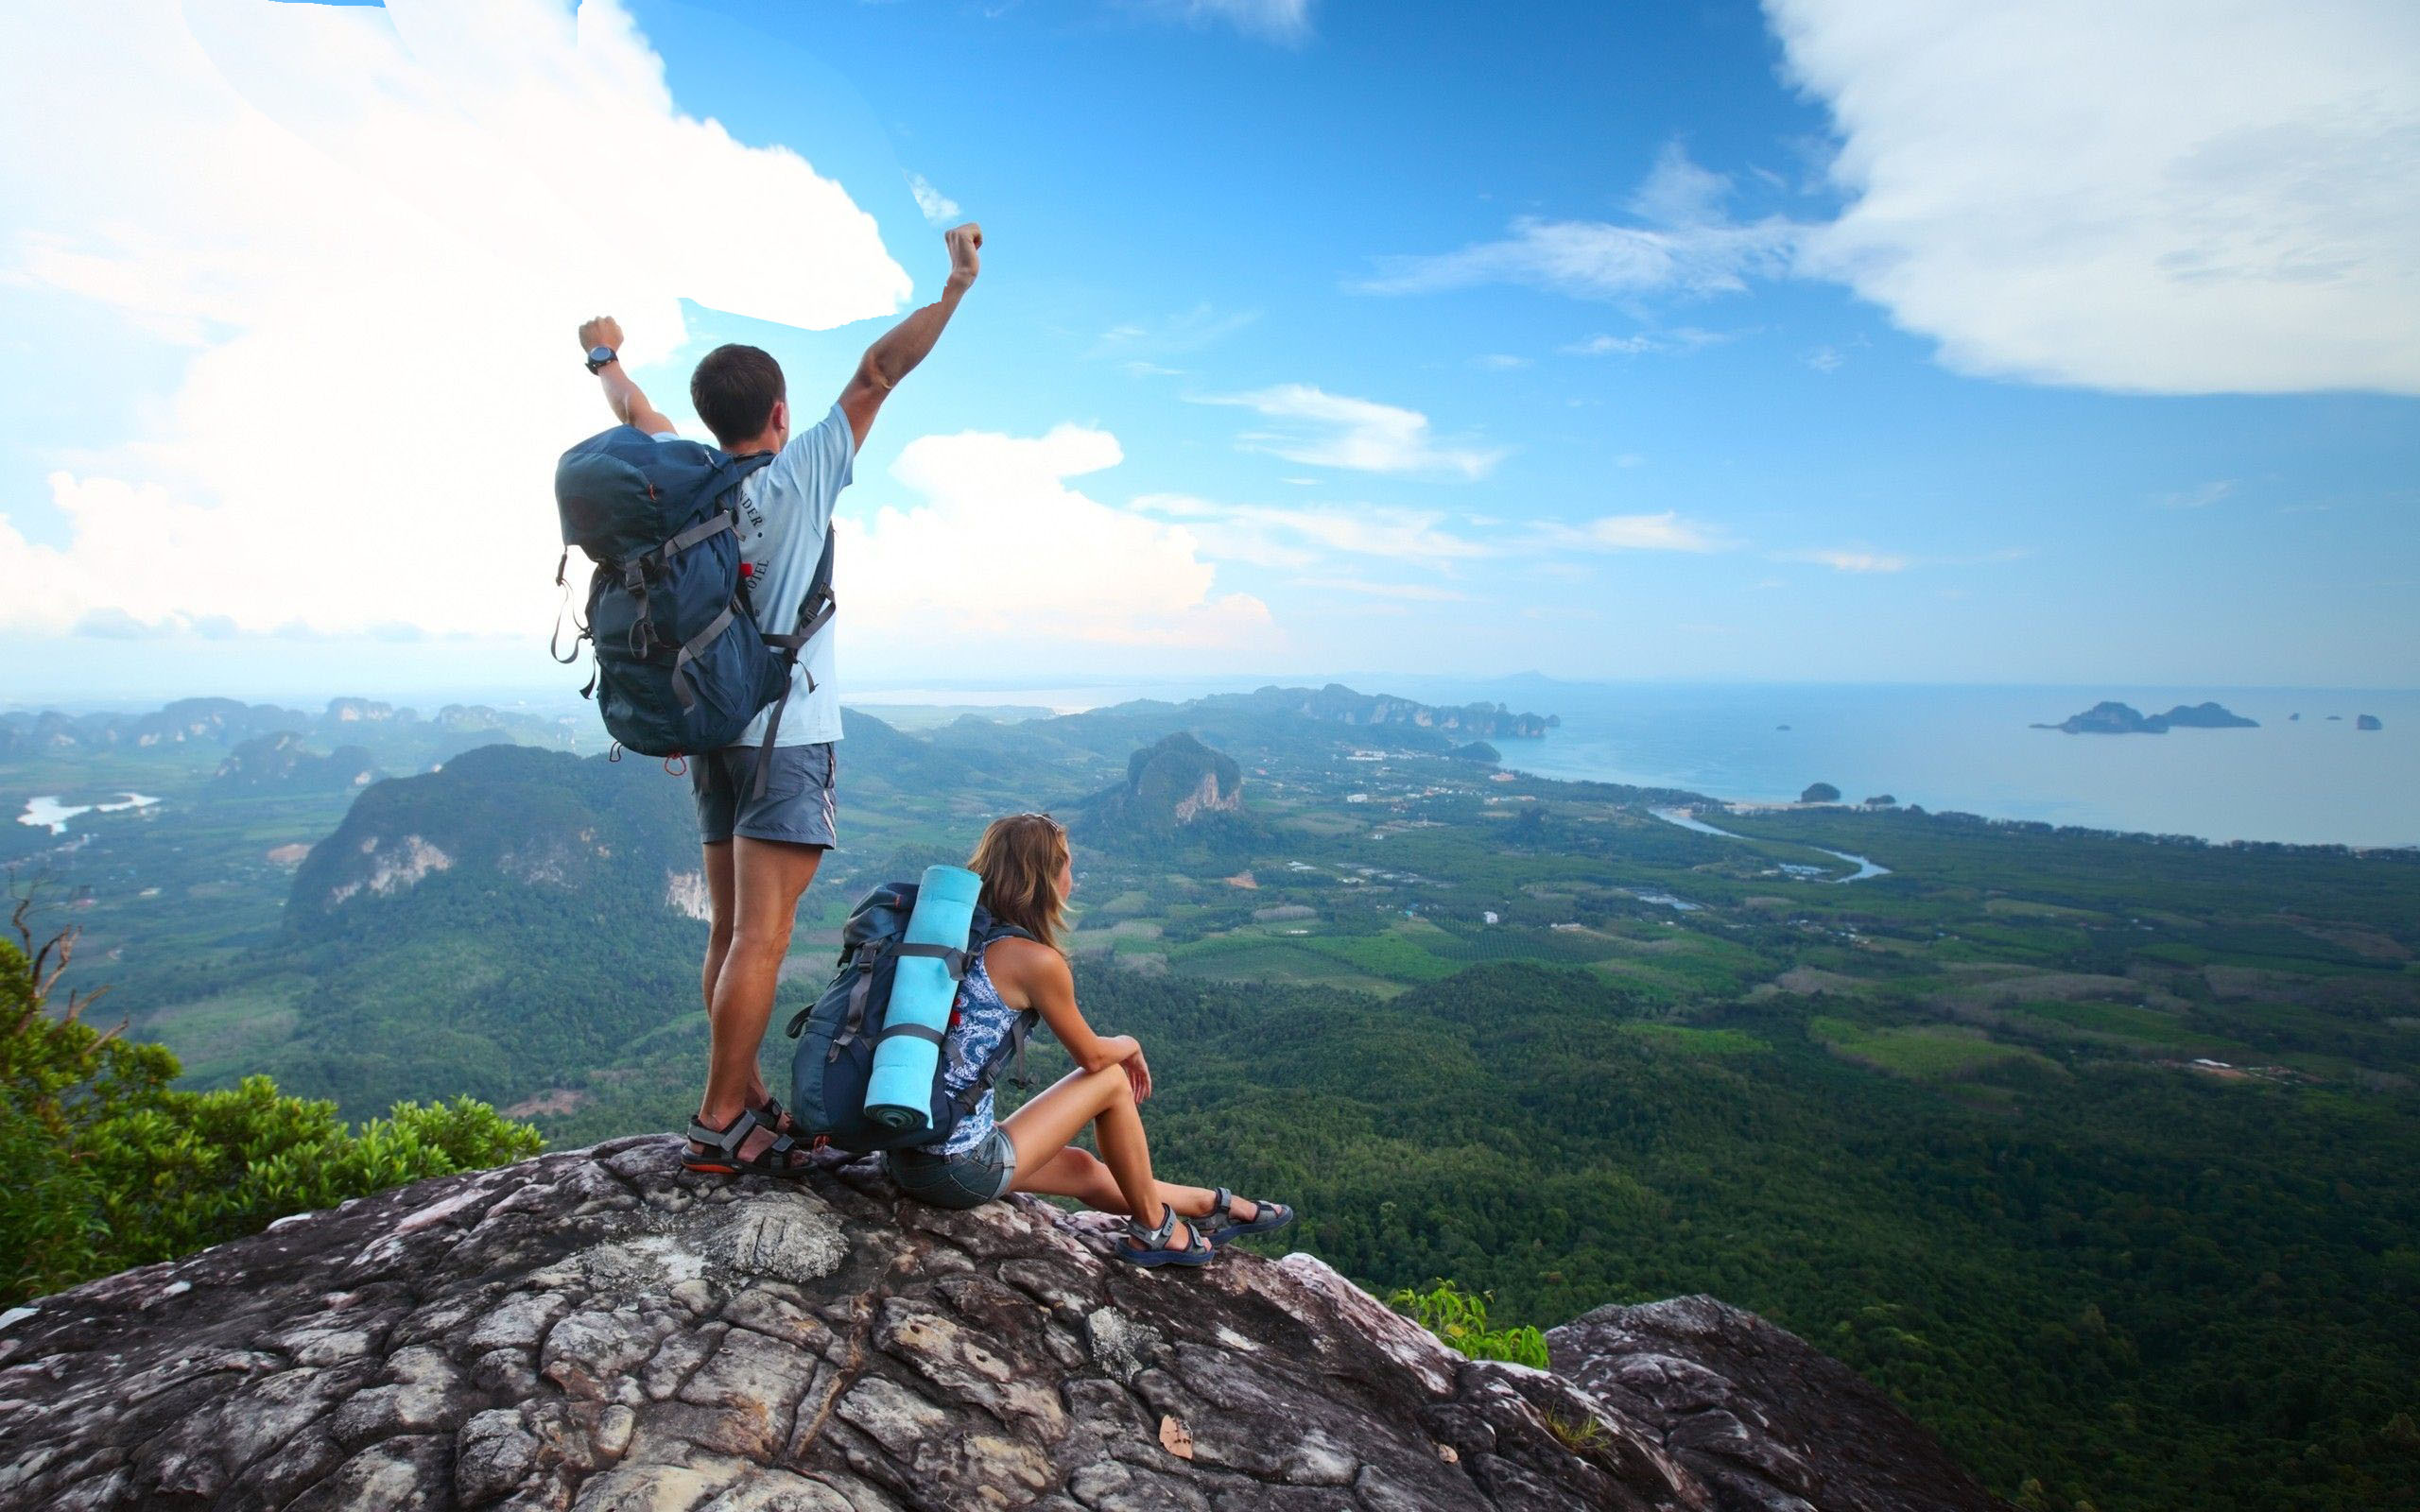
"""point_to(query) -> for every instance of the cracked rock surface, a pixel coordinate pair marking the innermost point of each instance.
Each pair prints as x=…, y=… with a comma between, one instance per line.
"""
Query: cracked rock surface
x=599, y=1331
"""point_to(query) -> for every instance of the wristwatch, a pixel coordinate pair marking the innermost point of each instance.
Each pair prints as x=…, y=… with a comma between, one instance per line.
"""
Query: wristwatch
x=598, y=357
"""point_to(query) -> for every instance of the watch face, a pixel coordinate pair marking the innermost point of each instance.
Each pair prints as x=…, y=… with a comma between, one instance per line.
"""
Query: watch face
x=600, y=355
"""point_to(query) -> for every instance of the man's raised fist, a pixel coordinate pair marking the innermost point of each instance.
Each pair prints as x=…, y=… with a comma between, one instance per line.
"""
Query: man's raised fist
x=965, y=253
x=604, y=331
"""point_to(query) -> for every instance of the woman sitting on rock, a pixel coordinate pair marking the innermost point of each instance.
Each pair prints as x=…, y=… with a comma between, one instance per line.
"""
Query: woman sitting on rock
x=1028, y=873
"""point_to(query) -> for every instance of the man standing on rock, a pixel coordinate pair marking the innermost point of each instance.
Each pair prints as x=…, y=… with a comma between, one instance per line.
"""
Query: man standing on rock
x=762, y=846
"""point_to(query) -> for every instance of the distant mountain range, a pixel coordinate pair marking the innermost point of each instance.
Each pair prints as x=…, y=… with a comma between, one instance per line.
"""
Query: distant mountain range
x=400, y=738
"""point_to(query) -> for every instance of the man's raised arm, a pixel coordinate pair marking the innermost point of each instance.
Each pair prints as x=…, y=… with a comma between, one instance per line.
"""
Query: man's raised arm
x=622, y=396
x=905, y=345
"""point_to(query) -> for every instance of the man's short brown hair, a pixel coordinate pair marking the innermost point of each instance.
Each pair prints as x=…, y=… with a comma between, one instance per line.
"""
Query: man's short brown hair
x=735, y=390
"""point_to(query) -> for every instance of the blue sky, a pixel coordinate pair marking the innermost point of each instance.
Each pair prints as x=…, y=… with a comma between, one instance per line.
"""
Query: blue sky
x=1821, y=342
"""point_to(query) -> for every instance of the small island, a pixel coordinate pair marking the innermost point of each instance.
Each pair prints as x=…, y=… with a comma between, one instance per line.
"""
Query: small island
x=2368, y=722
x=1821, y=792
x=2109, y=717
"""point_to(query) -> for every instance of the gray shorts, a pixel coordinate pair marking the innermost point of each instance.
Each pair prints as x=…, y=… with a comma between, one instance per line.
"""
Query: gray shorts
x=965, y=1181
x=797, y=803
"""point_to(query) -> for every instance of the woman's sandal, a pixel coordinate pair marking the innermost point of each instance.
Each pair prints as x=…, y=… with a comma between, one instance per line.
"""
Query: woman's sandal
x=1151, y=1246
x=721, y=1155
x=1267, y=1217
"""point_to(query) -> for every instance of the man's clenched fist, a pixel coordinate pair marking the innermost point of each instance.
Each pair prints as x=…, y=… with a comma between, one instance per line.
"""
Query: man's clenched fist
x=604, y=331
x=965, y=253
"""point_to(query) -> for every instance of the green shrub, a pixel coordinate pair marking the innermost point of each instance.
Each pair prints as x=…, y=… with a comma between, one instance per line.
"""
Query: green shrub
x=1459, y=1318
x=110, y=1165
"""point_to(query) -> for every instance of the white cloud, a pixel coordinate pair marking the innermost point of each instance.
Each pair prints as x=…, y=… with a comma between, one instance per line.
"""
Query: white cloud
x=1265, y=536
x=1334, y=430
x=939, y=208
x=1681, y=339
x=1003, y=554
x=1499, y=361
x=2196, y=498
x=1667, y=531
x=1412, y=592
x=376, y=228
x=1849, y=560
x=1685, y=244
x=1188, y=330
x=2166, y=196
x=1286, y=20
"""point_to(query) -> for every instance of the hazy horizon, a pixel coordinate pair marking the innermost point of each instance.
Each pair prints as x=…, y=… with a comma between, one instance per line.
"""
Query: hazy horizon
x=1820, y=341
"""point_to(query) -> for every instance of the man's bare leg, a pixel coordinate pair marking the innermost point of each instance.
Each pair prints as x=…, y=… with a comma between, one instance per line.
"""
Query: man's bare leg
x=768, y=877
x=718, y=885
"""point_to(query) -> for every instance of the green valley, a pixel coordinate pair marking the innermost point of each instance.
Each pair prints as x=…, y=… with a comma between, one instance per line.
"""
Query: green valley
x=2095, y=1150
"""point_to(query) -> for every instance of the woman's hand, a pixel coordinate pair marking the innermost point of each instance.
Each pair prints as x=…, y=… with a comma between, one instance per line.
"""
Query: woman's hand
x=1138, y=1075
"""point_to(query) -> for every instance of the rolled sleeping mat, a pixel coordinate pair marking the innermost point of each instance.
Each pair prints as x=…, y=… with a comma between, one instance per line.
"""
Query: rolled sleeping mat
x=924, y=989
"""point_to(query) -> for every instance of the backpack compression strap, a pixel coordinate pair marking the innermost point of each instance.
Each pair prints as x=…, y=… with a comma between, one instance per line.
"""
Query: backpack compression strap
x=814, y=613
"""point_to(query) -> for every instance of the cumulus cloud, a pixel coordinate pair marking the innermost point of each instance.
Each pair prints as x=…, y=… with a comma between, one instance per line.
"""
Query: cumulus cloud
x=2164, y=196
x=1335, y=430
x=1684, y=242
x=939, y=208
x=1003, y=551
x=375, y=229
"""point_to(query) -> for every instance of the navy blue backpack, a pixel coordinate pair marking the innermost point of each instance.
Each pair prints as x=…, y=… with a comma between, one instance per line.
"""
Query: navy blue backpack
x=837, y=1032
x=681, y=663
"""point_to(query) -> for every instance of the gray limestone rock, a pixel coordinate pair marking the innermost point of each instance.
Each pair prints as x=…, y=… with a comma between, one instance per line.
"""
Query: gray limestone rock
x=597, y=1330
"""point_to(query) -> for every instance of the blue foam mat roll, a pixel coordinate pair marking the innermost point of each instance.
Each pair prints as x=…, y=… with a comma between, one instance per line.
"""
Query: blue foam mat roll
x=899, y=1094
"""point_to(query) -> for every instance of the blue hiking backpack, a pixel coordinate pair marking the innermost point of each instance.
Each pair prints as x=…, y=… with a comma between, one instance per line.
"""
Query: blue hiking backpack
x=681, y=663
x=837, y=1032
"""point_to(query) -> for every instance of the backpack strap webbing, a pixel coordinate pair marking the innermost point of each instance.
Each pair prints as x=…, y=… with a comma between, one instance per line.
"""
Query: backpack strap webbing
x=704, y=530
x=954, y=959
x=691, y=651
x=814, y=613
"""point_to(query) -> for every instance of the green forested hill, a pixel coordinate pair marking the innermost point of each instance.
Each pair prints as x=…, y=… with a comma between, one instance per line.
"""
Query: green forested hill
x=2095, y=1150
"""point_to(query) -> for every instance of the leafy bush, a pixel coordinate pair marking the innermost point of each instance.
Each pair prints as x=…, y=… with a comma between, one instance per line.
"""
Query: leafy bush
x=112, y=1165
x=1459, y=1318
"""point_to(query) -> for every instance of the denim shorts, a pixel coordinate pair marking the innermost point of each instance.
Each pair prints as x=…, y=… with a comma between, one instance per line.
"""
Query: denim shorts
x=797, y=804
x=965, y=1180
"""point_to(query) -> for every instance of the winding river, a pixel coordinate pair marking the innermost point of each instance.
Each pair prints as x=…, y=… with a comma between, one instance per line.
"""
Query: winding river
x=48, y=813
x=1687, y=821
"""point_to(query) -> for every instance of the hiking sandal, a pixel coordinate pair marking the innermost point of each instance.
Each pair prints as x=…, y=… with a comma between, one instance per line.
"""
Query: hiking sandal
x=1267, y=1217
x=1150, y=1248
x=721, y=1155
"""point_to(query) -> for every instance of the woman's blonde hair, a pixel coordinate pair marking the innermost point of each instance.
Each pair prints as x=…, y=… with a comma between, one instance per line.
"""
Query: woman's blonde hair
x=1019, y=859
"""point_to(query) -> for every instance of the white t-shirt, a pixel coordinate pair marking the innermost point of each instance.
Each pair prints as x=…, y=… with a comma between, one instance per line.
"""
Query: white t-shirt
x=785, y=509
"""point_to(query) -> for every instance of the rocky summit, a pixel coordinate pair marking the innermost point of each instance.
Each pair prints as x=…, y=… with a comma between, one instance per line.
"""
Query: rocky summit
x=599, y=1331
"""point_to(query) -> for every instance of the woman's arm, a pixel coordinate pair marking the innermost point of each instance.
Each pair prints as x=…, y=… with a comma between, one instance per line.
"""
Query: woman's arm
x=1040, y=975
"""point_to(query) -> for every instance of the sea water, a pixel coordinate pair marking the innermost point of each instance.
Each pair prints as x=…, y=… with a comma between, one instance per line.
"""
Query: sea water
x=2315, y=780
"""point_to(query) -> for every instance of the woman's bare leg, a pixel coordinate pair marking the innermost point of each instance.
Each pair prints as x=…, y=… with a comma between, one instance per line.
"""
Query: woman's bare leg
x=1076, y=1173
x=1047, y=1124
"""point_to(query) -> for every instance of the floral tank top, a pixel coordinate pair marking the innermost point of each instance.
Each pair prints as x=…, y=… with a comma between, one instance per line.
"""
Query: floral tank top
x=979, y=1026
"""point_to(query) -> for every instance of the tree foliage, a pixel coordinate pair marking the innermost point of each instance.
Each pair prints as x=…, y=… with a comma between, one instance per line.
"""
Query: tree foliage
x=112, y=1165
